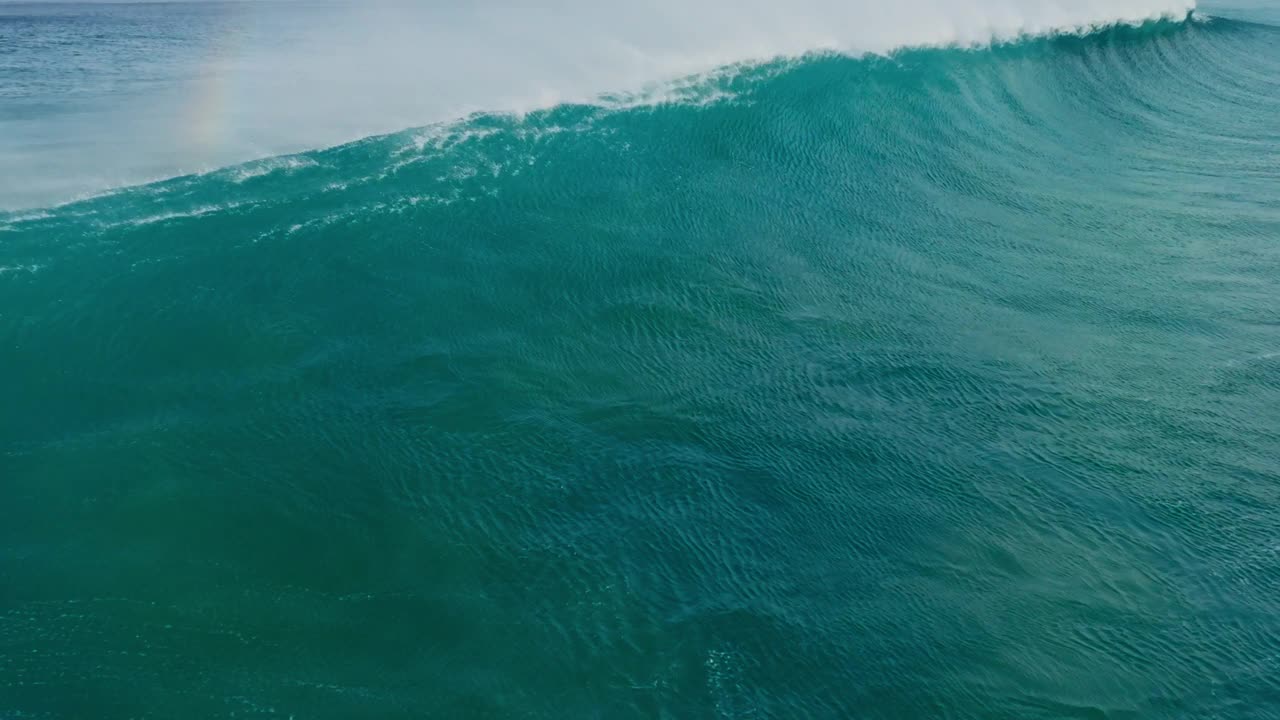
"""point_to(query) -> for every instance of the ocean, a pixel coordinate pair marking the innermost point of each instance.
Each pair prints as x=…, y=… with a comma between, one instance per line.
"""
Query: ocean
x=686, y=360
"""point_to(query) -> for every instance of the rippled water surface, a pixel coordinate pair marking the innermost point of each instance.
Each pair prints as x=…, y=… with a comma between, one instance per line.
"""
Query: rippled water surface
x=942, y=383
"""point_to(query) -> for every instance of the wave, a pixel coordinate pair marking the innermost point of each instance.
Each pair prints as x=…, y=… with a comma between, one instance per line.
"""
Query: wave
x=1159, y=79
x=276, y=79
x=948, y=349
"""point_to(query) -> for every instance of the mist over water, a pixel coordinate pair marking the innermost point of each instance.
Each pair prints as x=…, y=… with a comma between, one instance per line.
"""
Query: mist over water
x=166, y=90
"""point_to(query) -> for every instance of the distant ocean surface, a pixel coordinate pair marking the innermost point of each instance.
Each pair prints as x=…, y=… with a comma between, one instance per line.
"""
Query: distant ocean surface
x=745, y=370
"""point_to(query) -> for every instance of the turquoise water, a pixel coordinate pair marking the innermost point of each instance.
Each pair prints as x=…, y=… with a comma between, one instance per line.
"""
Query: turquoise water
x=938, y=384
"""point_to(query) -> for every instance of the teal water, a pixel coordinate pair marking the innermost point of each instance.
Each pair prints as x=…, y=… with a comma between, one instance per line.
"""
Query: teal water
x=937, y=384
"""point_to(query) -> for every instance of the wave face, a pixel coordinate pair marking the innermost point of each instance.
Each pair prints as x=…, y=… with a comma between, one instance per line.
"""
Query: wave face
x=937, y=384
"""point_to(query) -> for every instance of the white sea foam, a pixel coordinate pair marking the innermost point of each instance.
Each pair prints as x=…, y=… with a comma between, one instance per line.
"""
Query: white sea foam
x=195, y=212
x=283, y=163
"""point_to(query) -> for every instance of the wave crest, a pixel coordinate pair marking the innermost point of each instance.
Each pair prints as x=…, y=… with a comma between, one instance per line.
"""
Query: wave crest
x=269, y=79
